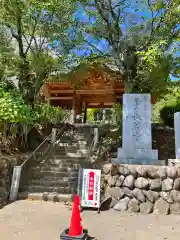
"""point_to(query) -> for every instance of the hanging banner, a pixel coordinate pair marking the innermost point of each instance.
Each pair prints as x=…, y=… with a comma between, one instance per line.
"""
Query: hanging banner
x=91, y=181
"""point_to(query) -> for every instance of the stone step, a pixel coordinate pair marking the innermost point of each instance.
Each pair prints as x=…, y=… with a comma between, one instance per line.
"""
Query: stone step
x=73, y=147
x=65, y=169
x=50, y=189
x=63, y=161
x=53, y=175
x=66, y=157
x=48, y=196
x=71, y=139
x=71, y=162
x=63, y=182
x=57, y=173
x=78, y=154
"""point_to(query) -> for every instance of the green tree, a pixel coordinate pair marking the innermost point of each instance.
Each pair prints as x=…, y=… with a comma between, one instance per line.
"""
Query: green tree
x=33, y=28
x=167, y=104
x=138, y=44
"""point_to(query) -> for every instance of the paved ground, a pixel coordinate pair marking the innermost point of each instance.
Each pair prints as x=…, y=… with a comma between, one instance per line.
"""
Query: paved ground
x=44, y=221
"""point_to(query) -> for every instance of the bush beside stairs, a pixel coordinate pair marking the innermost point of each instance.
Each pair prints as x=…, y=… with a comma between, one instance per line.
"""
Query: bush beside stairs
x=55, y=178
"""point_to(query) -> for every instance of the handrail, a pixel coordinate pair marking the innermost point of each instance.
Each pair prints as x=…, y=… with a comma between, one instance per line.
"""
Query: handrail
x=93, y=143
x=40, y=145
x=20, y=173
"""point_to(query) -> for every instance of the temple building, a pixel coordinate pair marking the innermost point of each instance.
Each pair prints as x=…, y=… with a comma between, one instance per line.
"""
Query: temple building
x=87, y=86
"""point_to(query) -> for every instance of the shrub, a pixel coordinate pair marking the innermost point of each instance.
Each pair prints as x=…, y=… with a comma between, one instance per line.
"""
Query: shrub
x=45, y=113
x=91, y=113
x=167, y=112
x=167, y=105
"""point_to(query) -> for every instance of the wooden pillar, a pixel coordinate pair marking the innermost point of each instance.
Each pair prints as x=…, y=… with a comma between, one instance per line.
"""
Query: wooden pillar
x=85, y=112
x=74, y=109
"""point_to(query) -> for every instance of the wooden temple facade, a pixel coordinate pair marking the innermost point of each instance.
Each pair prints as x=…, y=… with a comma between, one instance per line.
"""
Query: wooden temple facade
x=85, y=87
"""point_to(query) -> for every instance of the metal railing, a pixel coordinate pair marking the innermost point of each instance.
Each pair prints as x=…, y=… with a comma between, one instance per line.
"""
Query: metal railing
x=95, y=139
x=93, y=144
x=22, y=173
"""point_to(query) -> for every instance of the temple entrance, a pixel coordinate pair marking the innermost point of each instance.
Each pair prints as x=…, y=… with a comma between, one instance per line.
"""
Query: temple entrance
x=87, y=87
x=94, y=86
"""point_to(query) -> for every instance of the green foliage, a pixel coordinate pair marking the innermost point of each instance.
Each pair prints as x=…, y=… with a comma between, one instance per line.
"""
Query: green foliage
x=141, y=51
x=32, y=30
x=12, y=107
x=14, y=110
x=167, y=105
x=154, y=68
x=118, y=112
x=90, y=114
x=46, y=113
x=17, y=118
x=167, y=112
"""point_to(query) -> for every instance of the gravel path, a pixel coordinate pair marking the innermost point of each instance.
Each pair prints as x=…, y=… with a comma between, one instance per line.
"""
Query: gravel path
x=27, y=220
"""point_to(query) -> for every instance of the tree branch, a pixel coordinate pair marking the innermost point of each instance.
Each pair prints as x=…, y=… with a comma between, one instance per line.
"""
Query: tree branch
x=31, y=38
x=93, y=46
x=153, y=28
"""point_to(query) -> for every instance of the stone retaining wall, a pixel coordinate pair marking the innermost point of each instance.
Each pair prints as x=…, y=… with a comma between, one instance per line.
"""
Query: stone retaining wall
x=7, y=163
x=4, y=182
x=143, y=189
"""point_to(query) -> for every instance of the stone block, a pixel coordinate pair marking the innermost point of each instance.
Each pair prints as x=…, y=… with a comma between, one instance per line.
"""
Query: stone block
x=175, y=208
x=112, y=181
x=123, y=170
x=167, y=184
x=171, y=172
x=116, y=193
x=153, y=173
x=127, y=192
x=155, y=184
x=107, y=168
x=166, y=196
x=146, y=207
x=138, y=194
x=161, y=207
x=176, y=185
x=122, y=205
x=150, y=196
x=142, y=183
x=133, y=205
x=162, y=172
x=129, y=182
x=175, y=195
x=114, y=201
x=119, y=181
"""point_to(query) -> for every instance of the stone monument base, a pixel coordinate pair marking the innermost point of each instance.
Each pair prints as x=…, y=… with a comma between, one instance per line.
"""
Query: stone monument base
x=137, y=156
x=138, y=161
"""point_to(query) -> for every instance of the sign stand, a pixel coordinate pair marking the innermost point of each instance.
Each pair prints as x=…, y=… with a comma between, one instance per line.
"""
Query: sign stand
x=89, y=181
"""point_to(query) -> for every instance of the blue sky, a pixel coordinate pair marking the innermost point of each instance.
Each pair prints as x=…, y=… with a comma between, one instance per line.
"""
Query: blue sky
x=102, y=45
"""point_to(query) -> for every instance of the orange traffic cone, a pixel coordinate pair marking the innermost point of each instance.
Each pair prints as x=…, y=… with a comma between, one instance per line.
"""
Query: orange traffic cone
x=75, y=231
x=75, y=228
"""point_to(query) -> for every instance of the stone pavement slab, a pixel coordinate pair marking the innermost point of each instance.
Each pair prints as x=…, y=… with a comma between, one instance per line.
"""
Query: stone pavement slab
x=36, y=220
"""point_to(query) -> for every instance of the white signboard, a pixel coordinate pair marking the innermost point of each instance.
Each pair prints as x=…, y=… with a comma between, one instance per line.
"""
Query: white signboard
x=91, y=181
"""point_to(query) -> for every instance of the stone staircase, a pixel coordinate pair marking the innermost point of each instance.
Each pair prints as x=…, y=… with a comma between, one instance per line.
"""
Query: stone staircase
x=56, y=177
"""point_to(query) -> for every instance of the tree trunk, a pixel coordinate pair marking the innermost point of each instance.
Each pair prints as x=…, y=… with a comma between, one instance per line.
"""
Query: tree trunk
x=128, y=87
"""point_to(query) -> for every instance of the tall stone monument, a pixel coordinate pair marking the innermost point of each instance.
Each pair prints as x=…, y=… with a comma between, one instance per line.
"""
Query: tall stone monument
x=137, y=135
x=177, y=134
